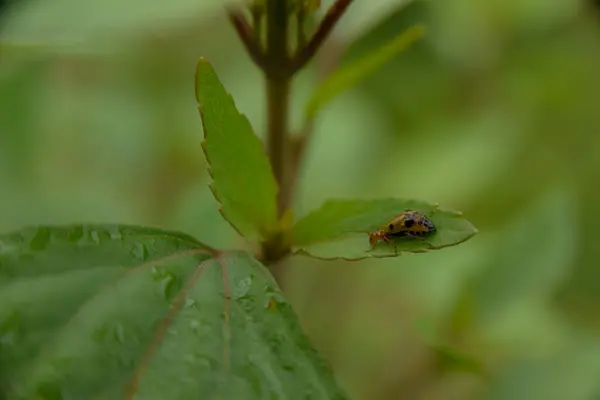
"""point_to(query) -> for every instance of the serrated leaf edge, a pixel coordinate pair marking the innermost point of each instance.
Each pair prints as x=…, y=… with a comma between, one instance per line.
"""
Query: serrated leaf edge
x=261, y=229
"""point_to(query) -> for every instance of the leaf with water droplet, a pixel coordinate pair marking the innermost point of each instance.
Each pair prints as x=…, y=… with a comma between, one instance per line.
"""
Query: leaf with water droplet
x=147, y=313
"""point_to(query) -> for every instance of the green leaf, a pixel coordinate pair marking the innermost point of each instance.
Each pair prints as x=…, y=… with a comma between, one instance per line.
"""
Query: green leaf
x=243, y=181
x=72, y=25
x=349, y=75
x=447, y=357
x=106, y=312
x=450, y=359
x=339, y=229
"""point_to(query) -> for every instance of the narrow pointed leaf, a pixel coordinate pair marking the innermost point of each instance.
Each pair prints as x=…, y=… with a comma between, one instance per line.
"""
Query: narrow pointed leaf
x=120, y=312
x=243, y=181
x=349, y=75
x=339, y=229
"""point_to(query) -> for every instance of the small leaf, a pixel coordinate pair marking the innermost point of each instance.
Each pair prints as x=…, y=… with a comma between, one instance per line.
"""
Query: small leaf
x=349, y=75
x=339, y=229
x=113, y=312
x=243, y=181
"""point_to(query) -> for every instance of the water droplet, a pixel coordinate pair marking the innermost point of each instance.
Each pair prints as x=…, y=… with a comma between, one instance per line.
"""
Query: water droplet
x=115, y=233
x=275, y=340
x=172, y=331
x=10, y=329
x=243, y=286
x=288, y=365
x=110, y=333
x=95, y=237
x=16, y=238
x=75, y=234
x=169, y=285
x=41, y=239
x=119, y=333
x=189, y=303
x=275, y=300
x=207, y=362
x=139, y=251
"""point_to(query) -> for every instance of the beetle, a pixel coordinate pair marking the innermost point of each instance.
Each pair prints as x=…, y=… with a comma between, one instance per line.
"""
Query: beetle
x=409, y=223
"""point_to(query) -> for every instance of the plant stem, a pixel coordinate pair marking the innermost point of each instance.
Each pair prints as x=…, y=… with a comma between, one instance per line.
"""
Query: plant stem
x=307, y=53
x=279, y=68
x=278, y=91
x=278, y=83
x=247, y=35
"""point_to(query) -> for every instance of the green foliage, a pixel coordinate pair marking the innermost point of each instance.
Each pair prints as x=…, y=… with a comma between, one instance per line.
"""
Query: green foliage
x=71, y=25
x=450, y=359
x=99, y=311
x=345, y=223
x=351, y=74
x=242, y=178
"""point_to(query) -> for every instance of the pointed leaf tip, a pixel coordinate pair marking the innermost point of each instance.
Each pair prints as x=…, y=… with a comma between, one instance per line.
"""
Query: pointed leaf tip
x=351, y=74
x=242, y=179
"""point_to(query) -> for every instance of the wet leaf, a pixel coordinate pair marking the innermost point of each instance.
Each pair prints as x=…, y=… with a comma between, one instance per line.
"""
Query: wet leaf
x=243, y=181
x=339, y=229
x=118, y=312
x=349, y=75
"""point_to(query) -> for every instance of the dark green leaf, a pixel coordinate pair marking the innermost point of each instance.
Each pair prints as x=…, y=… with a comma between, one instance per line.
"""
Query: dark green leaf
x=109, y=312
x=349, y=75
x=339, y=229
x=242, y=178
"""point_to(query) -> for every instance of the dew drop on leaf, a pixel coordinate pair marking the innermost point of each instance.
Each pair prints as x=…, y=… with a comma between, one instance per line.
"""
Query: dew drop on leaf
x=189, y=303
x=139, y=251
x=41, y=239
x=95, y=237
x=75, y=234
x=168, y=283
x=9, y=329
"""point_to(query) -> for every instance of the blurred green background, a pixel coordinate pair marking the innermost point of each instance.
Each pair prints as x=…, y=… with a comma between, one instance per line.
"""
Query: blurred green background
x=495, y=114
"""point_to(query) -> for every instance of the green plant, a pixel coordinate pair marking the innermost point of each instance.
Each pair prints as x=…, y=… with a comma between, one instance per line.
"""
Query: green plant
x=101, y=311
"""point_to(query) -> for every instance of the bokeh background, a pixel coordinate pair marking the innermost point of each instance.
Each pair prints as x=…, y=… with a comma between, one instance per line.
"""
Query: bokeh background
x=495, y=114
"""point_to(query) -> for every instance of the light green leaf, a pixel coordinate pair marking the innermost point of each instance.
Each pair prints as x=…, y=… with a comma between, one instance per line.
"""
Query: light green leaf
x=349, y=75
x=113, y=312
x=80, y=25
x=243, y=181
x=339, y=229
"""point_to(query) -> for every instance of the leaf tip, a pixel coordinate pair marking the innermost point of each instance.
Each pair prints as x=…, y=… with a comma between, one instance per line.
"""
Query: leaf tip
x=201, y=64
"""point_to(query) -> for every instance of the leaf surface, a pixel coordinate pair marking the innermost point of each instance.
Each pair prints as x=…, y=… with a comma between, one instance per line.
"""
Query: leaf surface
x=243, y=181
x=351, y=74
x=339, y=229
x=107, y=312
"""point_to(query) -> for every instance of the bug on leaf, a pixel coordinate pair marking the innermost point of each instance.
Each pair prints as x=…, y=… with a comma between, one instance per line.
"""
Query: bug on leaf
x=409, y=223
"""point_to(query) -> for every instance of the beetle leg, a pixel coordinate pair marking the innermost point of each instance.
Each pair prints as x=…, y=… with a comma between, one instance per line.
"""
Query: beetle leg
x=388, y=241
